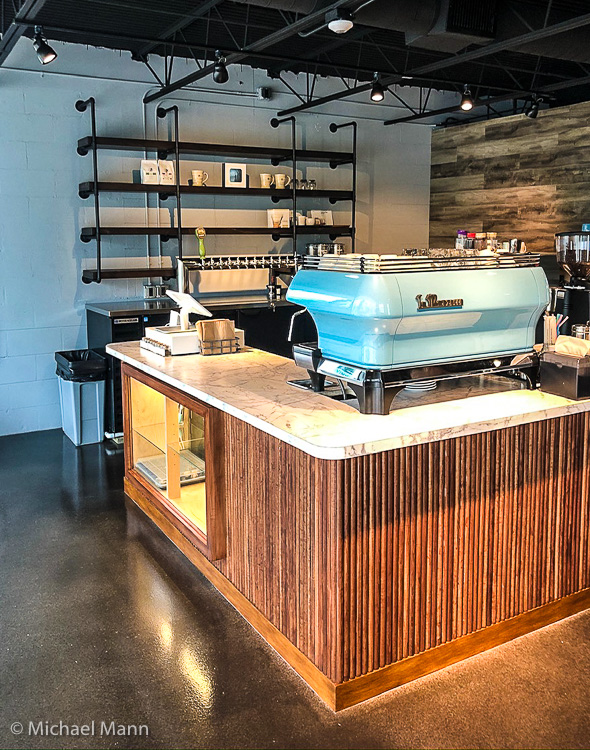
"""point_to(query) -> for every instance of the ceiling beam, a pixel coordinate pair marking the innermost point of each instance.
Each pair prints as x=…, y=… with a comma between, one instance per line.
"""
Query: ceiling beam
x=250, y=50
x=181, y=24
x=13, y=33
x=448, y=62
x=293, y=61
x=549, y=89
x=331, y=44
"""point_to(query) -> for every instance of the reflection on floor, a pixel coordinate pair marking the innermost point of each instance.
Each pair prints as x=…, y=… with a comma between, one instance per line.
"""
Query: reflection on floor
x=102, y=619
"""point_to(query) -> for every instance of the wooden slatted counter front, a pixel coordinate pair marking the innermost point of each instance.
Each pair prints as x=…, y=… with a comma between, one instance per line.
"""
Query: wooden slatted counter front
x=367, y=571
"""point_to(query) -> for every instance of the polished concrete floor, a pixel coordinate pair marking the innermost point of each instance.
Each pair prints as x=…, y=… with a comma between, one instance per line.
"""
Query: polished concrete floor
x=102, y=620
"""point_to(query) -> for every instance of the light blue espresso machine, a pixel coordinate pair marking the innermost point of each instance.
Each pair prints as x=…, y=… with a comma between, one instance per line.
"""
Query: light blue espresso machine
x=386, y=322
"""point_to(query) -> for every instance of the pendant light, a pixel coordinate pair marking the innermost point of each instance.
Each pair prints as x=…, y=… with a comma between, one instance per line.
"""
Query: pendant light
x=339, y=21
x=466, y=99
x=220, y=74
x=377, y=92
x=45, y=53
x=533, y=109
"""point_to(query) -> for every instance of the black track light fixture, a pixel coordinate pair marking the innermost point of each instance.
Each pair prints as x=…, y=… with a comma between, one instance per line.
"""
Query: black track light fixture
x=533, y=108
x=220, y=74
x=45, y=53
x=377, y=91
x=466, y=99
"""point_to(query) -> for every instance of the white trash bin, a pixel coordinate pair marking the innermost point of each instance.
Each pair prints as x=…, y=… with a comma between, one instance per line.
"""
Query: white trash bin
x=81, y=395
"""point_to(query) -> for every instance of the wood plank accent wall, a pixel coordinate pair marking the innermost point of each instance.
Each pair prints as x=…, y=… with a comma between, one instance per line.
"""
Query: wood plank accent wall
x=443, y=539
x=515, y=176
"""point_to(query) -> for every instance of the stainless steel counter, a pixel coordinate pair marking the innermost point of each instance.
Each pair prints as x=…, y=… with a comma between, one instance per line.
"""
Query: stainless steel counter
x=137, y=306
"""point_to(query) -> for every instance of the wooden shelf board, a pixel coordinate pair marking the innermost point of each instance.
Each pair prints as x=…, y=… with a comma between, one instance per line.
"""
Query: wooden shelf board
x=85, y=189
x=214, y=149
x=88, y=233
x=89, y=274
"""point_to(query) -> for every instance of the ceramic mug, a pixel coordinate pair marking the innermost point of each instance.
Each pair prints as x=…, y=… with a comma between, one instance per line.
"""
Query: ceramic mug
x=282, y=181
x=199, y=177
x=266, y=180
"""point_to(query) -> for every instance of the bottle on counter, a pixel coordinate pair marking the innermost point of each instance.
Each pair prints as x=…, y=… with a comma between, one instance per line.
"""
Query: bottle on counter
x=480, y=241
x=470, y=241
x=492, y=241
x=461, y=239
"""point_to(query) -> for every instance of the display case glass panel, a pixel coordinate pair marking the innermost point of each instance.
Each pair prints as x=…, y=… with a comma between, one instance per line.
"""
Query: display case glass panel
x=174, y=450
x=148, y=433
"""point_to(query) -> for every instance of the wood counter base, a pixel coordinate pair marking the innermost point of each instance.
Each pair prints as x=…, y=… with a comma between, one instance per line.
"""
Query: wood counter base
x=369, y=572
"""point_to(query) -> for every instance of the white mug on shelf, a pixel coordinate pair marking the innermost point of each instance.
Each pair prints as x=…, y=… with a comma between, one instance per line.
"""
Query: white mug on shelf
x=200, y=177
x=282, y=181
x=266, y=180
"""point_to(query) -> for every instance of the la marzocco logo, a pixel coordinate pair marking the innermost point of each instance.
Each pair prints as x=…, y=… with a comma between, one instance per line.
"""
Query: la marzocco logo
x=431, y=301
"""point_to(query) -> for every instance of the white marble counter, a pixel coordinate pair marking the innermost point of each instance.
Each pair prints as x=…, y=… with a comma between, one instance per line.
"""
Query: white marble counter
x=252, y=385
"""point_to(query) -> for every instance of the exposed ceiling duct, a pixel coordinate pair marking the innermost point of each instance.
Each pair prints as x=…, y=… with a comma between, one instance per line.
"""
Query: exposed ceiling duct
x=295, y=6
x=440, y=25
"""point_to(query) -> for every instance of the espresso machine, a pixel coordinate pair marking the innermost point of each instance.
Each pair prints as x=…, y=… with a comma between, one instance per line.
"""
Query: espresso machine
x=388, y=322
x=572, y=298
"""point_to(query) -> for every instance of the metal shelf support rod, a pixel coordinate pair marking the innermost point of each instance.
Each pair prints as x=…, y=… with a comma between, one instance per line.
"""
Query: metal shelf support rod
x=334, y=127
x=275, y=123
x=162, y=112
x=82, y=105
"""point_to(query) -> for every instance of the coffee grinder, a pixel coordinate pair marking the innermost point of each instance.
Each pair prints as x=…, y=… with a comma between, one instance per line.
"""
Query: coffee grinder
x=572, y=298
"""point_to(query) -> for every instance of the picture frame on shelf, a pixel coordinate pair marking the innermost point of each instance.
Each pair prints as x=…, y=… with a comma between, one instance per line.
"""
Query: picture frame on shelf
x=166, y=172
x=324, y=217
x=150, y=174
x=234, y=175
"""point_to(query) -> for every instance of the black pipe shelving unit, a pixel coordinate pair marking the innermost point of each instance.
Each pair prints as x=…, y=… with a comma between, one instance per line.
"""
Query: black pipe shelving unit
x=165, y=148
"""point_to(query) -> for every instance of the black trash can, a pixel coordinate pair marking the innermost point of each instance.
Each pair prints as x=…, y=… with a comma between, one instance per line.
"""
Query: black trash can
x=81, y=374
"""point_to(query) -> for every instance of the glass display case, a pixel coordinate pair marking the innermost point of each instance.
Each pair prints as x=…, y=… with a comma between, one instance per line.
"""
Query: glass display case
x=174, y=451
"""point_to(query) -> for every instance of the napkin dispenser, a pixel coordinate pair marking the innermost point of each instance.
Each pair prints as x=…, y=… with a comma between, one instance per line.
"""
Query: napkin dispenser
x=566, y=375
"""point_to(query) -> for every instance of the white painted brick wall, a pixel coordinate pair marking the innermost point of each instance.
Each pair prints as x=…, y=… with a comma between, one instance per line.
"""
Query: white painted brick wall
x=42, y=298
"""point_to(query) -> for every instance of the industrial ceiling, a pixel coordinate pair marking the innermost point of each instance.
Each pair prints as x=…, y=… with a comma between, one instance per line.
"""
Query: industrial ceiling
x=503, y=50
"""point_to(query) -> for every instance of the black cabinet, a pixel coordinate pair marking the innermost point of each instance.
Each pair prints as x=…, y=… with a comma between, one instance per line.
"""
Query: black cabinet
x=268, y=329
x=104, y=328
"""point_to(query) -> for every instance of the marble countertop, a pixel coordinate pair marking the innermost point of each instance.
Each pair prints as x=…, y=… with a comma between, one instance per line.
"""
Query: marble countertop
x=252, y=386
